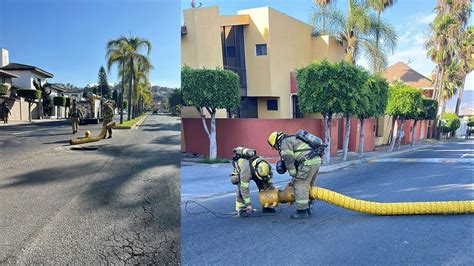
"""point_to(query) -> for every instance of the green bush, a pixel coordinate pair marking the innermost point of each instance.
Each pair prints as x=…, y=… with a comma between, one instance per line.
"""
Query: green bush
x=68, y=102
x=452, y=122
x=29, y=95
x=59, y=101
x=470, y=121
x=176, y=110
x=4, y=89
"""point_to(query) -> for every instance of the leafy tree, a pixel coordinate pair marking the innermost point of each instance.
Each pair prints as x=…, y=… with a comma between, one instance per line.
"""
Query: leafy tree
x=322, y=15
x=31, y=96
x=176, y=98
x=428, y=111
x=470, y=121
x=115, y=97
x=373, y=101
x=44, y=97
x=104, y=87
x=318, y=92
x=404, y=102
x=452, y=123
x=48, y=105
x=349, y=89
x=211, y=90
x=4, y=89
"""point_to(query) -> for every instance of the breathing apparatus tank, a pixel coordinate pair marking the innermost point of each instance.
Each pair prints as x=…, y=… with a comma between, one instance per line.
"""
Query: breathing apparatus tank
x=242, y=152
x=310, y=139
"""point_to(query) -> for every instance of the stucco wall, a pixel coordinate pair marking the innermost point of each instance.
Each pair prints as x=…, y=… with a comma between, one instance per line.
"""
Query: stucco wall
x=201, y=46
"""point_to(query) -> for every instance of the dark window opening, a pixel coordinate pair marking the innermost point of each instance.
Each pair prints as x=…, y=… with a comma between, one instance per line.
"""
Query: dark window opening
x=233, y=53
x=261, y=49
x=272, y=105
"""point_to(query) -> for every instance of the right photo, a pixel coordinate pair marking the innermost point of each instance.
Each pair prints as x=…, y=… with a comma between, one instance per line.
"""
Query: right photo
x=326, y=132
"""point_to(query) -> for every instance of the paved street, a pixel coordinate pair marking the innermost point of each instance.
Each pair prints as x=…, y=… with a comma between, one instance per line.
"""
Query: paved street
x=117, y=202
x=337, y=236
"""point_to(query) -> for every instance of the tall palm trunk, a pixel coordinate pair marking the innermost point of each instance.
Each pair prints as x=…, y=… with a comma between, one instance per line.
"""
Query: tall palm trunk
x=458, y=101
x=121, y=93
x=130, y=88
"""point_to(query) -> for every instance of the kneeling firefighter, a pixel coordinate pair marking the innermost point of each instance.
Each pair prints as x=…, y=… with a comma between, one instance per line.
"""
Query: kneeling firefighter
x=248, y=166
x=301, y=155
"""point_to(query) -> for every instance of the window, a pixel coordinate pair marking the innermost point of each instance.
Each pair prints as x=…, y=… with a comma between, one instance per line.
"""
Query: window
x=261, y=49
x=272, y=105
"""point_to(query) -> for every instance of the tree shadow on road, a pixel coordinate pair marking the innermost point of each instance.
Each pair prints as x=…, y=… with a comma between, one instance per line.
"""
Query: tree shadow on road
x=161, y=127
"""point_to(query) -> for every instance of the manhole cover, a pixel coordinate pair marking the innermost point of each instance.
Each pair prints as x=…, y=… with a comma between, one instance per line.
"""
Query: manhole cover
x=80, y=148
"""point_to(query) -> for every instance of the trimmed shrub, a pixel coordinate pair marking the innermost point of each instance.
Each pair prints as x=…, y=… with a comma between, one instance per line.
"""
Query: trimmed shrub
x=59, y=101
x=470, y=121
x=452, y=122
x=4, y=89
x=29, y=95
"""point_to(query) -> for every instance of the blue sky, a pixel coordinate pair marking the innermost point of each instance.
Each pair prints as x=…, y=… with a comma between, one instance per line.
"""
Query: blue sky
x=68, y=37
x=410, y=19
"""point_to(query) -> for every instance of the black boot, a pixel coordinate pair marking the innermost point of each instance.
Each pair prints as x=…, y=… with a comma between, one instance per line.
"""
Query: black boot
x=268, y=210
x=310, y=207
x=300, y=214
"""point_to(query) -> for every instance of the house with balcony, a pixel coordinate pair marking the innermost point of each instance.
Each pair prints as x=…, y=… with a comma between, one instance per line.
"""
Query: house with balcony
x=264, y=47
x=22, y=76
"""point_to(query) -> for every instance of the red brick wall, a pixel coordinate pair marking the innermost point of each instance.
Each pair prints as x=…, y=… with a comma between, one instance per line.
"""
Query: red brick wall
x=369, y=134
x=254, y=133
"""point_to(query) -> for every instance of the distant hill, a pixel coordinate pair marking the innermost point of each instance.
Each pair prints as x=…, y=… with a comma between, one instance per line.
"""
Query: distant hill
x=160, y=93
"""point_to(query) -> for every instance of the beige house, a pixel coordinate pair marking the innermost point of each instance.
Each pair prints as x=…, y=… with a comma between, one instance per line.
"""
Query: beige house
x=21, y=76
x=263, y=46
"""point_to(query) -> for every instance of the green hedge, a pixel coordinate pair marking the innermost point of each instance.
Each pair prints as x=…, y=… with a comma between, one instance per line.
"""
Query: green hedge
x=68, y=102
x=59, y=101
x=470, y=121
x=452, y=122
x=29, y=95
x=4, y=89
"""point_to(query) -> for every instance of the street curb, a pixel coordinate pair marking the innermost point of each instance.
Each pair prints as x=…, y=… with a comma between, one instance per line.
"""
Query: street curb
x=137, y=124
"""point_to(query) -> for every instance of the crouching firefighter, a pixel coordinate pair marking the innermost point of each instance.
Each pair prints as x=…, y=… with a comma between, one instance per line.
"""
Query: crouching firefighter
x=248, y=166
x=301, y=155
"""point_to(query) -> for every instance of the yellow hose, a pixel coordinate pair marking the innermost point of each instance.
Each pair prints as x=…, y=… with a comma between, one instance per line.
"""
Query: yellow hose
x=92, y=139
x=273, y=197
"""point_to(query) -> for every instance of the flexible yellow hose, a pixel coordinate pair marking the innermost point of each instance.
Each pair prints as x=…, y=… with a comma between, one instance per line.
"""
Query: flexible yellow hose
x=101, y=136
x=273, y=197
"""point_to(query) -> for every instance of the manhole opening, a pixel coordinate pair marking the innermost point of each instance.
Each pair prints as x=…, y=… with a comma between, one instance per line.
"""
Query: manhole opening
x=79, y=148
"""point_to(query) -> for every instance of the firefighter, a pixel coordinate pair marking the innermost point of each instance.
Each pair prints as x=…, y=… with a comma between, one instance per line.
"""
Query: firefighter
x=76, y=116
x=248, y=166
x=302, y=162
x=108, y=115
x=5, y=112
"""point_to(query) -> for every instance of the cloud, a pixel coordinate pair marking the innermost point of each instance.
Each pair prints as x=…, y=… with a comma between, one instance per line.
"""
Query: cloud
x=424, y=18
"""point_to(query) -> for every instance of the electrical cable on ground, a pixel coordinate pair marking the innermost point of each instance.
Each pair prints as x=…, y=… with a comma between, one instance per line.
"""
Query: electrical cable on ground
x=225, y=215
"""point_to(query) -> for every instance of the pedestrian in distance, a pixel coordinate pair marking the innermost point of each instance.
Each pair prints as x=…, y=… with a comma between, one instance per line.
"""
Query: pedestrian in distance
x=5, y=112
x=76, y=115
x=108, y=116
x=301, y=156
x=248, y=166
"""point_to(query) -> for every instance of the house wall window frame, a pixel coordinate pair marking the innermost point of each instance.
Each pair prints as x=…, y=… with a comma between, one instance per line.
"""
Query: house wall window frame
x=272, y=104
x=261, y=49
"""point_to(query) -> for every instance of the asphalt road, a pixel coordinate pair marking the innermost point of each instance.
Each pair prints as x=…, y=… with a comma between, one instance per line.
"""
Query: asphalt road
x=335, y=236
x=116, y=204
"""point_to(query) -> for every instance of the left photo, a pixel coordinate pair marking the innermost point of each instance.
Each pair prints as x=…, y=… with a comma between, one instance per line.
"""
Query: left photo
x=89, y=137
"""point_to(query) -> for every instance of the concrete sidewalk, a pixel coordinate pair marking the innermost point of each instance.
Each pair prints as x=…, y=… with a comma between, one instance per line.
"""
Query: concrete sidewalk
x=34, y=121
x=199, y=180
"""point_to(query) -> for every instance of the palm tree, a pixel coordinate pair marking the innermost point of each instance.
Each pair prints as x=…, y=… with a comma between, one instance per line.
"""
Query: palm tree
x=466, y=61
x=131, y=48
x=116, y=54
x=379, y=6
x=445, y=48
x=357, y=31
x=322, y=15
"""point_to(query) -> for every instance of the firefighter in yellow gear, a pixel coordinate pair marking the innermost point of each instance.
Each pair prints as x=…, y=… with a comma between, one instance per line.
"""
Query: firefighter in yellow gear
x=247, y=168
x=302, y=163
